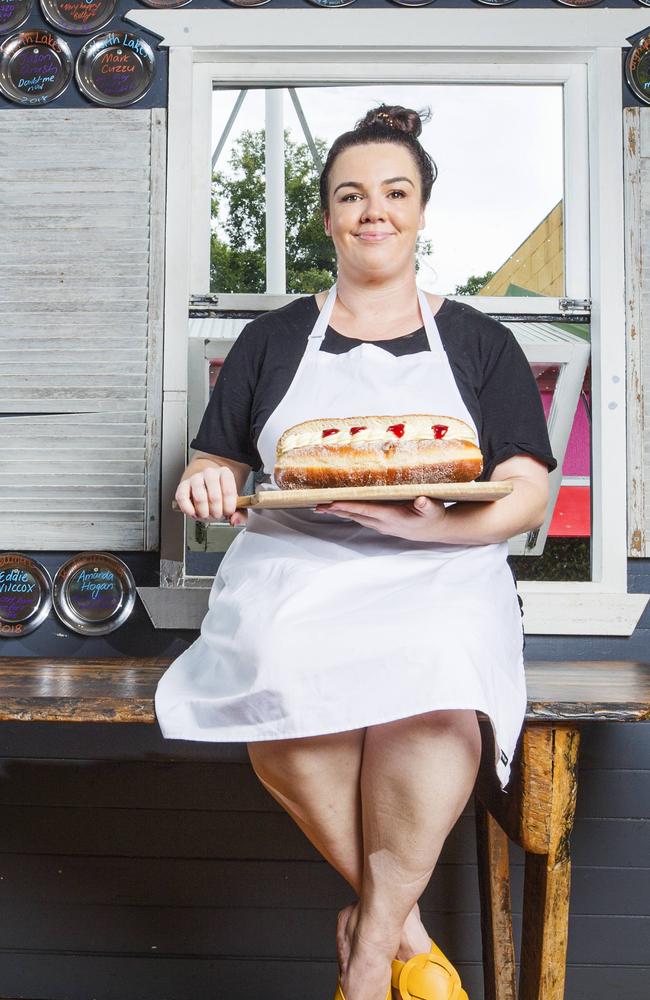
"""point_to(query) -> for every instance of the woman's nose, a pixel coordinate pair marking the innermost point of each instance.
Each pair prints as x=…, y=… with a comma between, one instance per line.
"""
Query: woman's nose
x=373, y=209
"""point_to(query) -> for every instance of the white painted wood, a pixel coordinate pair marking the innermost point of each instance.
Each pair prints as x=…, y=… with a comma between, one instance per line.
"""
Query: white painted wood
x=575, y=204
x=201, y=166
x=276, y=270
x=37, y=505
x=636, y=480
x=611, y=614
x=581, y=614
x=75, y=536
x=177, y=292
x=80, y=321
x=609, y=548
x=51, y=491
x=156, y=306
x=229, y=34
x=81, y=479
x=644, y=133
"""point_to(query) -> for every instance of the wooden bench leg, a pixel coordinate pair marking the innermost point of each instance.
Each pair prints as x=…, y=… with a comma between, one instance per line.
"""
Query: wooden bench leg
x=548, y=876
x=496, y=915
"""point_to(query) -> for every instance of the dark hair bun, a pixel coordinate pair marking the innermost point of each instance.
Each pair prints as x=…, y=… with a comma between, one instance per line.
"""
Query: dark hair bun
x=385, y=124
x=394, y=116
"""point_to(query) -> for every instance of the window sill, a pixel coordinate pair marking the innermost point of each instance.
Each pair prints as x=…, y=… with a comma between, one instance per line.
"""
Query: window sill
x=561, y=609
x=546, y=611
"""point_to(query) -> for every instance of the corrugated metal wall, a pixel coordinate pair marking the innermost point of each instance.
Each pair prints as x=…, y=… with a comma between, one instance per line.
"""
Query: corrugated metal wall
x=81, y=327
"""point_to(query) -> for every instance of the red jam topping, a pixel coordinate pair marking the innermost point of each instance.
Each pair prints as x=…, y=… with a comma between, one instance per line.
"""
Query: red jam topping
x=331, y=430
x=397, y=429
x=439, y=430
x=355, y=430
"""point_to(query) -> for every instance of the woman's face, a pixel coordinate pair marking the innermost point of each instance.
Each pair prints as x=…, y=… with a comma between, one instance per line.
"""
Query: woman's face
x=375, y=209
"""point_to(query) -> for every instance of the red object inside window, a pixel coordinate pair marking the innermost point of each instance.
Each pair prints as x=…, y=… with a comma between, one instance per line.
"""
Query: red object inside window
x=572, y=512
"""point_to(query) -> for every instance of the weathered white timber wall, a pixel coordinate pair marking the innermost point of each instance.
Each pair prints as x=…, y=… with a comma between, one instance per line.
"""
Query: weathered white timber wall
x=81, y=284
x=637, y=269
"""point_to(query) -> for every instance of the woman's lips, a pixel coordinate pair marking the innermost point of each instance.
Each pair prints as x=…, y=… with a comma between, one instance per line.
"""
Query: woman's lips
x=373, y=237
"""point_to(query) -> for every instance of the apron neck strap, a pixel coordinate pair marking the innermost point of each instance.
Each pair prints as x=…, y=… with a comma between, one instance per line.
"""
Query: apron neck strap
x=430, y=325
x=321, y=324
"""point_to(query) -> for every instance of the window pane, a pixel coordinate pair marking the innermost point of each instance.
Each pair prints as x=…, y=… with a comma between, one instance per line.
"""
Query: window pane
x=495, y=215
x=567, y=550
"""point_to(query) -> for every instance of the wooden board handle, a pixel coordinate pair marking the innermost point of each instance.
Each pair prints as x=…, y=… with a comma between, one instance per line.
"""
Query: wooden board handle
x=248, y=501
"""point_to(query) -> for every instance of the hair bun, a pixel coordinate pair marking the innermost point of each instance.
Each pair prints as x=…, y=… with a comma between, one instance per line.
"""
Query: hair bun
x=394, y=116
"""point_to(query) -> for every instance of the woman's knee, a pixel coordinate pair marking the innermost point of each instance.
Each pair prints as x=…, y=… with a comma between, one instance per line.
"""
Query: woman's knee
x=303, y=758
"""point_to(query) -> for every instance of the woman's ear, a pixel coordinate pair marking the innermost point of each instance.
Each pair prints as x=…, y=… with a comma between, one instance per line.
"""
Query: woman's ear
x=326, y=221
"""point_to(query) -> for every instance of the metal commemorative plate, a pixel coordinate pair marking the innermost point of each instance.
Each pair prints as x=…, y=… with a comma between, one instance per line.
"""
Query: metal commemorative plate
x=331, y=3
x=637, y=69
x=579, y=3
x=13, y=13
x=248, y=3
x=78, y=17
x=115, y=68
x=163, y=4
x=25, y=594
x=93, y=593
x=35, y=67
x=496, y=3
x=415, y=3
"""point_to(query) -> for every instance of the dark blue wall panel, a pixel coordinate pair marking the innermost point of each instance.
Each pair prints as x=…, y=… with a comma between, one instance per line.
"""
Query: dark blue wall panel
x=157, y=95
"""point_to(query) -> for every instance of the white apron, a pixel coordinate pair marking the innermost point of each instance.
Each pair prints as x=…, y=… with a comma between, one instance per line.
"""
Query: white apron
x=317, y=624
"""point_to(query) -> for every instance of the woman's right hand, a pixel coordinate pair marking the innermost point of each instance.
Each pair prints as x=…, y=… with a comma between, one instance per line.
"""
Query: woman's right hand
x=210, y=494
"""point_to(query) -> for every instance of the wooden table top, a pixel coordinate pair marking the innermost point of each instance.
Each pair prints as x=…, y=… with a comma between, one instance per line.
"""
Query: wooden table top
x=122, y=690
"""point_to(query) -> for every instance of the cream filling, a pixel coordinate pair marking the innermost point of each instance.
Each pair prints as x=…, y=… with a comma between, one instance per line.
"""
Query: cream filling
x=308, y=439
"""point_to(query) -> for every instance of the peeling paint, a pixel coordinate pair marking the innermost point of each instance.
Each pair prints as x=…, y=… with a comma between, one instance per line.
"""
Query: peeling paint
x=636, y=542
x=631, y=140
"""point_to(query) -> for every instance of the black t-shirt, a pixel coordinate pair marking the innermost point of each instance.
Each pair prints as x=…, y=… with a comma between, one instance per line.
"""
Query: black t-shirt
x=493, y=376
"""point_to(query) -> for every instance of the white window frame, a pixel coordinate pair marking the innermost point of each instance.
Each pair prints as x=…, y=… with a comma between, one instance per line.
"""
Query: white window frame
x=582, y=50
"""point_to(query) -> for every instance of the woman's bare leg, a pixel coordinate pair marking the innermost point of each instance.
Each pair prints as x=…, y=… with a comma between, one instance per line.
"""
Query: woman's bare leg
x=416, y=776
x=317, y=781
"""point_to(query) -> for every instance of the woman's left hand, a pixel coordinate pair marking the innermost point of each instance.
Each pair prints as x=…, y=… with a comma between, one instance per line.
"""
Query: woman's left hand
x=419, y=520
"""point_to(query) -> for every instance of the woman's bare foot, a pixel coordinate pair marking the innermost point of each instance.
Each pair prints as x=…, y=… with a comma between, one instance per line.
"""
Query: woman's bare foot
x=364, y=964
x=414, y=941
x=342, y=939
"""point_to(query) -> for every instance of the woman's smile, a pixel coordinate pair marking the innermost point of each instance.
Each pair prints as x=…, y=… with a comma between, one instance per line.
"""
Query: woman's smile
x=373, y=237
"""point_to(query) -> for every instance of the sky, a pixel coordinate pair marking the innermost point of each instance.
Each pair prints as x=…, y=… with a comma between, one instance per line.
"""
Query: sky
x=498, y=150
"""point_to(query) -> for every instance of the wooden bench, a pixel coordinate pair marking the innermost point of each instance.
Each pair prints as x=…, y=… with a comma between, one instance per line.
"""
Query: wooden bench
x=536, y=812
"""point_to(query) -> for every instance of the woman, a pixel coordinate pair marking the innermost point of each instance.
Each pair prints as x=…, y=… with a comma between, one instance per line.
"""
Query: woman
x=350, y=646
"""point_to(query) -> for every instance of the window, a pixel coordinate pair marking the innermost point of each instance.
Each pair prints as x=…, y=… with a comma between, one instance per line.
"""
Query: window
x=268, y=50
x=496, y=209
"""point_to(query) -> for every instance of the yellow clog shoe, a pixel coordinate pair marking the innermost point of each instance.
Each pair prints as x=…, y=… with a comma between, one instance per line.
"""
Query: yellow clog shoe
x=426, y=977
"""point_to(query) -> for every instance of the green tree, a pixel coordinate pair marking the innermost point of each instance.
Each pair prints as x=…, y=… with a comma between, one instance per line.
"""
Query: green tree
x=474, y=284
x=237, y=253
x=237, y=260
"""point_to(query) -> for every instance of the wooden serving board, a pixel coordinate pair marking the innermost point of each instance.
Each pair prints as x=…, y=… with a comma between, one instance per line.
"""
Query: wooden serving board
x=270, y=499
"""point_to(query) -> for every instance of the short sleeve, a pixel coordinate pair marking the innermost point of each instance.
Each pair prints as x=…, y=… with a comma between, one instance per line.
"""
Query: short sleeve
x=511, y=409
x=225, y=428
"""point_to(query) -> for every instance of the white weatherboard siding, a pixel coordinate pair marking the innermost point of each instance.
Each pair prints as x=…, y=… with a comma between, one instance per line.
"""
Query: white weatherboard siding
x=81, y=275
x=637, y=210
